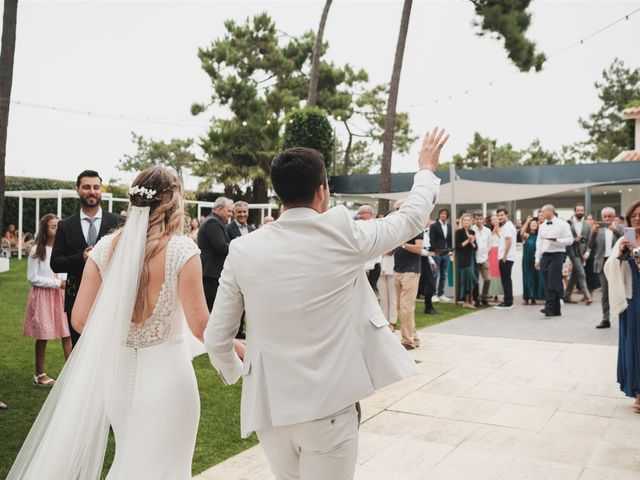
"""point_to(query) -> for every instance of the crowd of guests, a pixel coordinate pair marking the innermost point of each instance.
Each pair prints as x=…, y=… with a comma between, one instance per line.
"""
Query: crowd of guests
x=558, y=257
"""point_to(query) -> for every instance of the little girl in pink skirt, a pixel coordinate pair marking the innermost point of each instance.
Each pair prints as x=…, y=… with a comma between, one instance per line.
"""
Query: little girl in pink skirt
x=44, y=317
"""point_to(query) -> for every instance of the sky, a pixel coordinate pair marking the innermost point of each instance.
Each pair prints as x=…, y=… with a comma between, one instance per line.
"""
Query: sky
x=138, y=60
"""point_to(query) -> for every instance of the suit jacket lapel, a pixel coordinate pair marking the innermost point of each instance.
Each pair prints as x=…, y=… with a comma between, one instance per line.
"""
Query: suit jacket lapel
x=76, y=228
x=105, y=225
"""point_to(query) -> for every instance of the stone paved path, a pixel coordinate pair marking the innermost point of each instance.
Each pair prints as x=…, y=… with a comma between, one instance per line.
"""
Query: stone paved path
x=491, y=404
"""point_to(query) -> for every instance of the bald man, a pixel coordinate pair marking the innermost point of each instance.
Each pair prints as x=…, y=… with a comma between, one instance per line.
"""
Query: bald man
x=554, y=236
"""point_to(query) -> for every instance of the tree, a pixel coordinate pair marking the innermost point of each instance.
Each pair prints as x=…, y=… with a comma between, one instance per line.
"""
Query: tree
x=535, y=154
x=314, y=76
x=258, y=76
x=309, y=127
x=177, y=155
x=608, y=134
x=7, y=52
x=371, y=105
x=360, y=158
x=508, y=20
x=477, y=155
x=390, y=119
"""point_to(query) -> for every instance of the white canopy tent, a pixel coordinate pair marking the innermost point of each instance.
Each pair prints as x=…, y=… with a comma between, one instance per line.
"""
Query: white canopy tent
x=473, y=192
x=58, y=195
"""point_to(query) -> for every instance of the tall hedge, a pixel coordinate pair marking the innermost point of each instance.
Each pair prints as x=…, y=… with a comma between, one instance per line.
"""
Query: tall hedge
x=309, y=127
x=69, y=205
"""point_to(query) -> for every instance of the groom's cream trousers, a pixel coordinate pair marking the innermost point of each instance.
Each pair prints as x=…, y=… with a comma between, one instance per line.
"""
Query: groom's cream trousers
x=324, y=449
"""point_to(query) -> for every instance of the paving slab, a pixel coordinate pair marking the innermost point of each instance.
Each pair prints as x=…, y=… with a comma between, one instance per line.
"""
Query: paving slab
x=502, y=394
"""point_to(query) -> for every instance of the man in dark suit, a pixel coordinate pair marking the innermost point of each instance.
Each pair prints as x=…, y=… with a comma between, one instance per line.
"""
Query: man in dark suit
x=239, y=226
x=77, y=235
x=213, y=241
x=601, y=245
x=577, y=253
x=440, y=240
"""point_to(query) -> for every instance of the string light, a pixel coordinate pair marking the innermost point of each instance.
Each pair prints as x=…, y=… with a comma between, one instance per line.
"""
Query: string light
x=625, y=19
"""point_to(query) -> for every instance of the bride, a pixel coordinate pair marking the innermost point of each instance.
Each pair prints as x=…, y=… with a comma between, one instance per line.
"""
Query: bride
x=131, y=369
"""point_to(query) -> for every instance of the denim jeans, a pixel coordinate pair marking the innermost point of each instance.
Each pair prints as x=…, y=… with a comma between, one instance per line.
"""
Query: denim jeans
x=442, y=261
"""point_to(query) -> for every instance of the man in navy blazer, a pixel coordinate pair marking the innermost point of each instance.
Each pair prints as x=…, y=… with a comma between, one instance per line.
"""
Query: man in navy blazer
x=440, y=239
x=239, y=226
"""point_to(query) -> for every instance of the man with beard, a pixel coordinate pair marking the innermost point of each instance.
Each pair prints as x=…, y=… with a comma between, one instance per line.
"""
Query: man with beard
x=578, y=255
x=77, y=235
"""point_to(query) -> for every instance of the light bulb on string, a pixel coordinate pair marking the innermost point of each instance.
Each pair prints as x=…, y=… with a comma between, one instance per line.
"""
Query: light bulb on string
x=268, y=122
x=244, y=123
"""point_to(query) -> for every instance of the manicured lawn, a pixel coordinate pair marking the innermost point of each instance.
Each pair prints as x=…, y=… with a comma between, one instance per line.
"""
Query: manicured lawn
x=219, y=432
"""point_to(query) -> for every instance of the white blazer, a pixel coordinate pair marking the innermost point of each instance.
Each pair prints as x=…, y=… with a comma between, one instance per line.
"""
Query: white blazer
x=317, y=340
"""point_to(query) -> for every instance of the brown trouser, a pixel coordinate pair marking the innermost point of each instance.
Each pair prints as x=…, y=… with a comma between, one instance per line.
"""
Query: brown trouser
x=485, y=273
x=406, y=290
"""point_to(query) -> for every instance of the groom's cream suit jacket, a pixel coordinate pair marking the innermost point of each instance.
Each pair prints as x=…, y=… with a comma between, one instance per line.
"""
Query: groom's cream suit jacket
x=317, y=340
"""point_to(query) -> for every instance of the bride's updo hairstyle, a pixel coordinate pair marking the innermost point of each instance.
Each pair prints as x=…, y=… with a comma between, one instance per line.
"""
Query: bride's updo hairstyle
x=159, y=189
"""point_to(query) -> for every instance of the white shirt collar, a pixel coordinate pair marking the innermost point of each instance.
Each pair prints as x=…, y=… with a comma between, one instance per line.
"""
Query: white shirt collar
x=97, y=216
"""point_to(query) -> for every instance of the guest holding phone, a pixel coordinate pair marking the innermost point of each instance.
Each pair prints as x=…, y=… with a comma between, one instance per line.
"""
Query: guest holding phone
x=622, y=270
x=465, y=251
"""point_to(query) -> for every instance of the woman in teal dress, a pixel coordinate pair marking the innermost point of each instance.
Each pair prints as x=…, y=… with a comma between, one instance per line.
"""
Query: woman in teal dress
x=623, y=274
x=532, y=280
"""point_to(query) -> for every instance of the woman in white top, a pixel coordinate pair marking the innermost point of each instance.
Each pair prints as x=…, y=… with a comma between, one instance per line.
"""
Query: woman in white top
x=44, y=317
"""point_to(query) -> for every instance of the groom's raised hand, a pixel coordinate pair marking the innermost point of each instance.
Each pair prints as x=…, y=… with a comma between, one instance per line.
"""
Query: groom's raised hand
x=430, y=151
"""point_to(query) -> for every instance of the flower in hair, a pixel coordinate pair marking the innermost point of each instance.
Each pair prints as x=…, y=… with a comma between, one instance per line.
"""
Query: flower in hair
x=142, y=192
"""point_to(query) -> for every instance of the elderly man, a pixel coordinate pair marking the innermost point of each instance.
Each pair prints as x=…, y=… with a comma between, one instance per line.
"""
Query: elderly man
x=601, y=243
x=213, y=241
x=372, y=267
x=554, y=236
x=239, y=227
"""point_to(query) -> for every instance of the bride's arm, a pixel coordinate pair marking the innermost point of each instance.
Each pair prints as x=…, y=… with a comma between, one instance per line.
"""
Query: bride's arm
x=192, y=296
x=91, y=281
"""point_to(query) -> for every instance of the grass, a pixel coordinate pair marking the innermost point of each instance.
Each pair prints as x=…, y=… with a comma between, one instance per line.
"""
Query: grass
x=219, y=430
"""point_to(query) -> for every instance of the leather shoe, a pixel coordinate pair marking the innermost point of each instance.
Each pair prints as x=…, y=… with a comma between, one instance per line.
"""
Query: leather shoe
x=552, y=314
x=604, y=324
x=430, y=311
x=408, y=347
x=544, y=310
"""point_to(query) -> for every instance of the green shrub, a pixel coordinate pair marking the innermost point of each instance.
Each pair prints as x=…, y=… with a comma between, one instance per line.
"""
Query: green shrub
x=310, y=127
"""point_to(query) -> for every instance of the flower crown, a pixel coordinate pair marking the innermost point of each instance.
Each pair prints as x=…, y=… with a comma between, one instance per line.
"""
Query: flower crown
x=142, y=192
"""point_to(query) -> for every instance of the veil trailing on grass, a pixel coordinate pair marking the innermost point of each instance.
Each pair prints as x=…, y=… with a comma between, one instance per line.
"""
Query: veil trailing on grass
x=69, y=437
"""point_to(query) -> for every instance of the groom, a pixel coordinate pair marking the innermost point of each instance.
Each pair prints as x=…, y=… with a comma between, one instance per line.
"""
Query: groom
x=77, y=235
x=317, y=341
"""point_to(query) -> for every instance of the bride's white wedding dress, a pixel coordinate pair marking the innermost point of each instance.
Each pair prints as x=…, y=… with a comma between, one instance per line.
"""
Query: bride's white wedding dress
x=153, y=406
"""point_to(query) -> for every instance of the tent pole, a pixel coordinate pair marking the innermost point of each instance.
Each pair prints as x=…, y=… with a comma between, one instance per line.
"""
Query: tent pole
x=37, y=216
x=454, y=217
x=484, y=210
x=20, y=232
x=59, y=203
x=587, y=200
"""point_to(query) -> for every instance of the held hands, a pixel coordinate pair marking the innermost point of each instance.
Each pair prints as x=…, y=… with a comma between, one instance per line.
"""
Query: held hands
x=239, y=348
x=430, y=151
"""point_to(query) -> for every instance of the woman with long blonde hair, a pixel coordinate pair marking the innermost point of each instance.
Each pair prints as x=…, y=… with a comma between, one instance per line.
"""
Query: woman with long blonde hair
x=140, y=303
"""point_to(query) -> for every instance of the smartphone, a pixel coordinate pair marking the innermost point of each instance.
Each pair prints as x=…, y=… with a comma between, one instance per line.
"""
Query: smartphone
x=630, y=235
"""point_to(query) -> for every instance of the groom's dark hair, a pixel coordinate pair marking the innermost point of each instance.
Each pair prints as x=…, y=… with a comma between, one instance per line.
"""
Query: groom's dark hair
x=296, y=173
x=87, y=173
